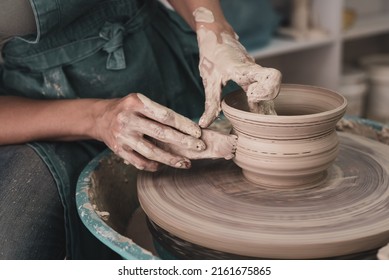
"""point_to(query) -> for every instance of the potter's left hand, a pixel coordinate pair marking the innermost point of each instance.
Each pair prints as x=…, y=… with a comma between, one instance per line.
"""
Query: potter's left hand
x=223, y=58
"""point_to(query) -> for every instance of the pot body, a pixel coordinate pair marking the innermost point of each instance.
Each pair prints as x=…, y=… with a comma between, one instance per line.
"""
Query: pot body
x=294, y=148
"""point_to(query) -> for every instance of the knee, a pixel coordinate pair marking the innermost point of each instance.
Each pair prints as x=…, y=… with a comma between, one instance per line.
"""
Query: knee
x=31, y=213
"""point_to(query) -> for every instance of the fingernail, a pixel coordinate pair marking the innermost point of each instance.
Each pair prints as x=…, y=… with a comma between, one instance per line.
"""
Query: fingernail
x=139, y=167
x=197, y=133
x=154, y=167
x=200, y=146
x=201, y=122
x=183, y=164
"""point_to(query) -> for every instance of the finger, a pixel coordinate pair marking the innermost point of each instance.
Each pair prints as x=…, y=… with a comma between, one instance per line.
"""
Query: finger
x=264, y=107
x=264, y=84
x=259, y=83
x=154, y=153
x=168, y=117
x=212, y=102
x=167, y=134
x=140, y=162
x=219, y=145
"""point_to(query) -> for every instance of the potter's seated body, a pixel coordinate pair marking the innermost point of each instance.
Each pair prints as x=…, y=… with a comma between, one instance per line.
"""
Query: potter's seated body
x=82, y=76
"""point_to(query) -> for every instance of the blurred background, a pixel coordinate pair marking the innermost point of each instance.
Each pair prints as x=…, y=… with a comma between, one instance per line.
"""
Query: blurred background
x=338, y=44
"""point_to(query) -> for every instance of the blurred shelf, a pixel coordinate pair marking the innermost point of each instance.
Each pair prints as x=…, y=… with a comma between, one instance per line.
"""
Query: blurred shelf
x=368, y=26
x=298, y=59
x=279, y=46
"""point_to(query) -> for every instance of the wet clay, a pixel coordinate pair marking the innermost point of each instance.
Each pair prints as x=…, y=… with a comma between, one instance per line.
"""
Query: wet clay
x=383, y=253
x=264, y=107
x=224, y=147
x=215, y=207
x=211, y=143
x=292, y=149
x=355, y=127
x=202, y=14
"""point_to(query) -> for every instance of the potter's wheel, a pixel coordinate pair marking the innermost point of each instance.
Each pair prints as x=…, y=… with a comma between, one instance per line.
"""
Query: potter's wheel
x=213, y=206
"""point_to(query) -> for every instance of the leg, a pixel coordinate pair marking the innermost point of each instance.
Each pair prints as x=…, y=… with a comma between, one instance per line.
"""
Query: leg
x=31, y=213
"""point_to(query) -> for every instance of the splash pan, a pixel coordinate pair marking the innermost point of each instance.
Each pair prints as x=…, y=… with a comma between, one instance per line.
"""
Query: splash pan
x=108, y=205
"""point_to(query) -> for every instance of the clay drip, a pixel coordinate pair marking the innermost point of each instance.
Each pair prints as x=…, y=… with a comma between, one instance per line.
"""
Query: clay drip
x=202, y=14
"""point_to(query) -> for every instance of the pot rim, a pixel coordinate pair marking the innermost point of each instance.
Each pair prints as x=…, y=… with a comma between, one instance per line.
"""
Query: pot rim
x=249, y=116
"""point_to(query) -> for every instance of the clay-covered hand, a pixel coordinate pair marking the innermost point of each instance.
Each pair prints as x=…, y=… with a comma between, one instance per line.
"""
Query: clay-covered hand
x=223, y=58
x=131, y=126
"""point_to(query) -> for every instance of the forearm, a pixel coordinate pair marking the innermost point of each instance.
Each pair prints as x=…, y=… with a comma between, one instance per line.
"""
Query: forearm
x=23, y=120
x=215, y=22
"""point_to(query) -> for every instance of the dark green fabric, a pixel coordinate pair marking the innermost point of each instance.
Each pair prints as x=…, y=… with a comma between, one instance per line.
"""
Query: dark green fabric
x=53, y=15
x=106, y=50
x=260, y=21
x=83, y=60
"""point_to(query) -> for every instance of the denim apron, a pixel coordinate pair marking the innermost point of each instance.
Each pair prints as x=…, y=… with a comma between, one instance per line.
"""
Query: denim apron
x=100, y=49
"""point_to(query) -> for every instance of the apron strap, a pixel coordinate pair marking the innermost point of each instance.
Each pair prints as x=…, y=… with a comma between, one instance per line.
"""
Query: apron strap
x=113, y=33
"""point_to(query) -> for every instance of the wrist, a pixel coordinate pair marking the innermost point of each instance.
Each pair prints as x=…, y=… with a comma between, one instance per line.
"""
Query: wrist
x=217, y=27
x=211, y=19
x=97, y=123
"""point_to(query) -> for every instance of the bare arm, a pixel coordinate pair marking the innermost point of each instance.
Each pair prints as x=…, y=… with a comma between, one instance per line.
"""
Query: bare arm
x=23, y=120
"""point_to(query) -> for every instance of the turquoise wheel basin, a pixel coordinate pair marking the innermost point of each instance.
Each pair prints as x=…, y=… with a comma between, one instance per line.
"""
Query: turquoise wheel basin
x=106, y=200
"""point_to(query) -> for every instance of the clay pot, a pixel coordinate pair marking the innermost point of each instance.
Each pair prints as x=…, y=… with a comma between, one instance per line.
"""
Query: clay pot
x=294, y=148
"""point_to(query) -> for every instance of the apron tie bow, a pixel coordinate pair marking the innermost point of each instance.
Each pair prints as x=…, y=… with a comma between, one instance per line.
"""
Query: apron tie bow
x=114, y=34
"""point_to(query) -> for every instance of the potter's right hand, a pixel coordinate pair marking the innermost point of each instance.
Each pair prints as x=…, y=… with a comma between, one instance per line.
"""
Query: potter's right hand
x=130, y=126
